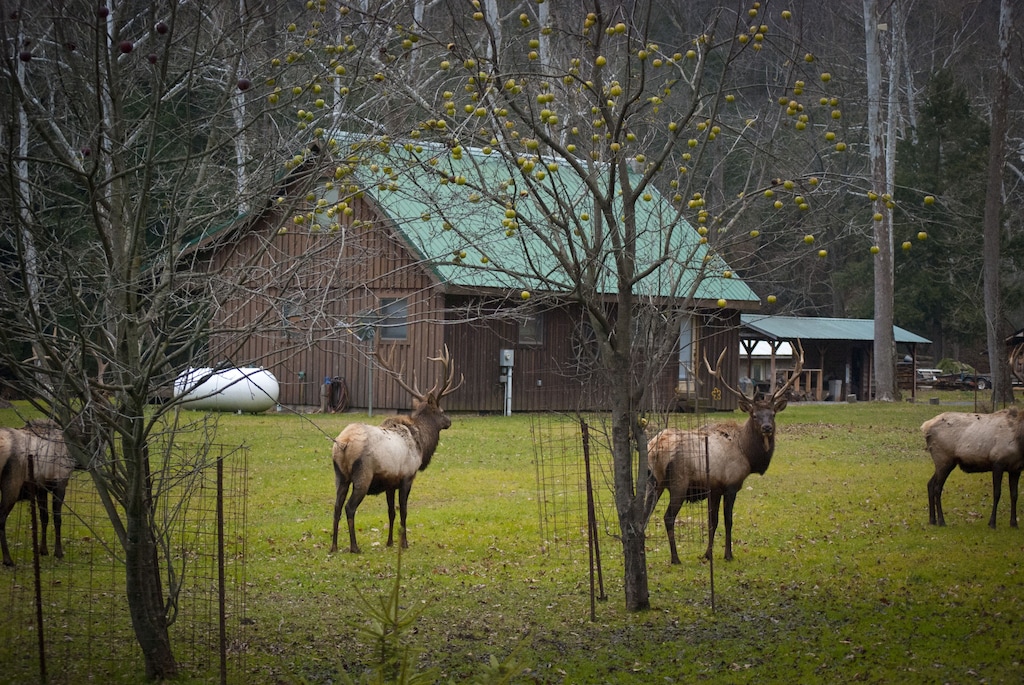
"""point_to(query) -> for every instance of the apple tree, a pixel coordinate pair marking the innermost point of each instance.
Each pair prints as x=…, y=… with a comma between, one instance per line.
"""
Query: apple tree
x=722, y=111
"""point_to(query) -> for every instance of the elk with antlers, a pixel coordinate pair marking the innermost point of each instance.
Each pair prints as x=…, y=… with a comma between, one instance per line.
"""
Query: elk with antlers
x=386, y=459
x=677, y=459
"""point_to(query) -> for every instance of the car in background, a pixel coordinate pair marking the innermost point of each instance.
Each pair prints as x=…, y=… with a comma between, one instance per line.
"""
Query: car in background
x=972, y=381
x=962, y=381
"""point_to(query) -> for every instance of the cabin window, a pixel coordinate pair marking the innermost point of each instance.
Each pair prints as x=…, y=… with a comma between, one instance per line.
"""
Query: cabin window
x=394, y=313
x=531, y=330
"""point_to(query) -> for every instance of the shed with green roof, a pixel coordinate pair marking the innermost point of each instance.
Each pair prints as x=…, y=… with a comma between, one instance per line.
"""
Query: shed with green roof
x=839, y=353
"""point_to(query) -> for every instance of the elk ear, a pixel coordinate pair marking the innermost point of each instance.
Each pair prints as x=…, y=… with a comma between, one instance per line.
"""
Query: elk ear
x=746, y=404
x=780, y=404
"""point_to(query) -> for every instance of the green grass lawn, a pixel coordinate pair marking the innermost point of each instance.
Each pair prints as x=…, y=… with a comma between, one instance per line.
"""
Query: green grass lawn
x=838, y=577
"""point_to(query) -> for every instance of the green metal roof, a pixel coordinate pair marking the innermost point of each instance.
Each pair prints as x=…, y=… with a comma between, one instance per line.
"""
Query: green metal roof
x=445, y=203
x=818, y=328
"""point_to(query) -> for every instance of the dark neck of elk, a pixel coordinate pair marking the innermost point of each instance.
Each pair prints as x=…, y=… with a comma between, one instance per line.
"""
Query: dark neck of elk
x=425, y=424
x=758, y=435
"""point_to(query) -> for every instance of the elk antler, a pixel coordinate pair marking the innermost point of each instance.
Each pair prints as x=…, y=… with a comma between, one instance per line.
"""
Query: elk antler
x=1015, y=358
x=777, y=395
x=387, y=363
x=781, y=392
x=449, y=374
x=716, y=373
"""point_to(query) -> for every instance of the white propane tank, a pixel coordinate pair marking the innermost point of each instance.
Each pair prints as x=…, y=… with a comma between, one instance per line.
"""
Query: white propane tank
x=245, y=389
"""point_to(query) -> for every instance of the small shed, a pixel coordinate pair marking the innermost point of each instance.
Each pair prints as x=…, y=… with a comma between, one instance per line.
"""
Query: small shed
x=838, y=353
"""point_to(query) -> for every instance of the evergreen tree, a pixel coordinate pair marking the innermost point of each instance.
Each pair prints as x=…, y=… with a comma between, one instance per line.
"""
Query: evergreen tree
x=939, y=289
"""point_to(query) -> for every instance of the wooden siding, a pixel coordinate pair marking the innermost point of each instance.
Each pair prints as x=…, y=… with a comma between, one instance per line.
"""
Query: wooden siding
x=719, y=330
x=306, y=287
x=546, y=377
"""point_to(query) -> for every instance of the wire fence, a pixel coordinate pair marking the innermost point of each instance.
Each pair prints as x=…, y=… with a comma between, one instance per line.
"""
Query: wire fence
x=81, y=630
x=573, y=454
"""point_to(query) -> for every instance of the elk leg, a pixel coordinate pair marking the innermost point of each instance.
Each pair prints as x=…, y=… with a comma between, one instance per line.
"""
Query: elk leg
x=11, y=479
x=1014, y=479
x=341, y=490
x=58, y=503
x=390, y=494
x=403, y=505
x=354, y=500
x=730, y=500
x=997, y=492
x=4, y=512
x=714, y=502
x=935, y=485
x=361, y=478
x=675, y=502
x=44, y=518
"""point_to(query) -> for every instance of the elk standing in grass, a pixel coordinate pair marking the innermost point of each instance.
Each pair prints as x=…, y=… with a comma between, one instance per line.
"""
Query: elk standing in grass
x=677, y=459
x=387, y=458
x=34, y=462
x=977, y=443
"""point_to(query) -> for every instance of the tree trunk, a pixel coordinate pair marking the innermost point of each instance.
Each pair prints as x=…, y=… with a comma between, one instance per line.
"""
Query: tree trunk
x=885, y=344
x=145, y=601
x=142, y=572
x=995, y=328
x=634, y=555
x=629, y=503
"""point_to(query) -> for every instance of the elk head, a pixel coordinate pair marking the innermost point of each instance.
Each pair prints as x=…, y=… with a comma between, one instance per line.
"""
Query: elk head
x=431, y=399
x=762, y=412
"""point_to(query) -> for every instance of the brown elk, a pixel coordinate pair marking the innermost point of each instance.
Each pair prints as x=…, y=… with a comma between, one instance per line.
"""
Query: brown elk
x=387, y=458
x=977, y=443
x=34, y=462
x=677, y=459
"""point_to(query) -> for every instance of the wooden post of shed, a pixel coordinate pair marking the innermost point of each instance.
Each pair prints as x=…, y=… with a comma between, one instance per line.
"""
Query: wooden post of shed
x=913, y=372
x=869, y=394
